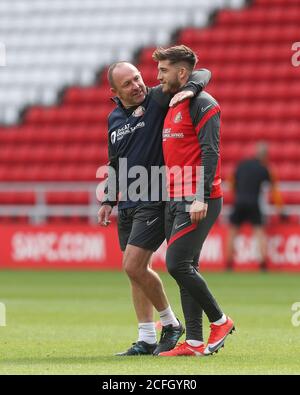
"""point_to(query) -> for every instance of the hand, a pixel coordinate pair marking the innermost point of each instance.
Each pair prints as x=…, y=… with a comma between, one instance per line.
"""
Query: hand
x=180, y=97
x=198, y=211
x=104, y=214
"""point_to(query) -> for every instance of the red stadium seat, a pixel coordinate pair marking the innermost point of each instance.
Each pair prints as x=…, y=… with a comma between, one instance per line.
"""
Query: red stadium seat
x=67, y=198
x=146, y=56
x=286, y=171
x=249, y=53
x=91, y=95
x=69, y=113
x=20, y=219
x=258, y=16
x=290, y=197
x=257, y=35
x=8, y=197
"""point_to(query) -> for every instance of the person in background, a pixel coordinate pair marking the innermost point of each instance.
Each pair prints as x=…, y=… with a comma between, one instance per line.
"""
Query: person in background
x=247, y=182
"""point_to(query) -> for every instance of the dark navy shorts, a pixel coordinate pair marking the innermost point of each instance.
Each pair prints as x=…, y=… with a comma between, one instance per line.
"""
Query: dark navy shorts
x=142, y=226
x=246, y=213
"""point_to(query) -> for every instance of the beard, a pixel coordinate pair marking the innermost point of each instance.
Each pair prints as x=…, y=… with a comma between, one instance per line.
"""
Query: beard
x=173, y=86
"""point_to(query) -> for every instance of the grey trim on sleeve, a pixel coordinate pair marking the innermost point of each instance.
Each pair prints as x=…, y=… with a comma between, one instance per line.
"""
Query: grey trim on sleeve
x=209, y=141
x=196, y=82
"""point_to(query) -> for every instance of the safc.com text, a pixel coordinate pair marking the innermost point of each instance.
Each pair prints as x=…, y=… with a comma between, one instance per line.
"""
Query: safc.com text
x=52, y=246
x=281, y=250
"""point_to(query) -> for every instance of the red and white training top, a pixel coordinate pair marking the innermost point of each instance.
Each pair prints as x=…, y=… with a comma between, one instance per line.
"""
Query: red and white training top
x=191, y=138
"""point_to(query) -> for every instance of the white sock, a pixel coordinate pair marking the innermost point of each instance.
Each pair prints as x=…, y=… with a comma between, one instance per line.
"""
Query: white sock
x=147, y=332
x=167, y=317
x=194, y=343
x=221, y=321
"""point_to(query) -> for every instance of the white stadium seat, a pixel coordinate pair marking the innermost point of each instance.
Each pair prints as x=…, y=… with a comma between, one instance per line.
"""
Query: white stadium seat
x=57, y=43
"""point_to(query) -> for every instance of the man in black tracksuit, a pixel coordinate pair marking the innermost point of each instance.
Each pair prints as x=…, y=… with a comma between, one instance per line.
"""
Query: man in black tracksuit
x=248, y=179
x=135, y=128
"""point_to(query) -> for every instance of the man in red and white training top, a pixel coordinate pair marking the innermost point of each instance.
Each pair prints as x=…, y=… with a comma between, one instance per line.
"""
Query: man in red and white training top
x=191, y=137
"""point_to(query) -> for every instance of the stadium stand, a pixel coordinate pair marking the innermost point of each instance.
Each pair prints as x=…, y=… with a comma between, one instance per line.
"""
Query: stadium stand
x=53, y=62
x=59, y=43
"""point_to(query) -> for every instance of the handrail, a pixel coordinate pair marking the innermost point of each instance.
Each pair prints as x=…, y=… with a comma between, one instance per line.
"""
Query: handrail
x=39, y=211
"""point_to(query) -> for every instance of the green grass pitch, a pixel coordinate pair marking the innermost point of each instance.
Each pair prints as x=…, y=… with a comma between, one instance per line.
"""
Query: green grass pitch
x=73, y=323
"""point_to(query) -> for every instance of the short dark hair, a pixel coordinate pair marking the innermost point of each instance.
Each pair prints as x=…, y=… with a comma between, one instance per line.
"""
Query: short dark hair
x=176, y=54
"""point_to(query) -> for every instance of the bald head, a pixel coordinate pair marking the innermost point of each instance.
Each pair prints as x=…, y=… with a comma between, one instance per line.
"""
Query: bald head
x=126, y=83
x=261, y=150
x=114, y=67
